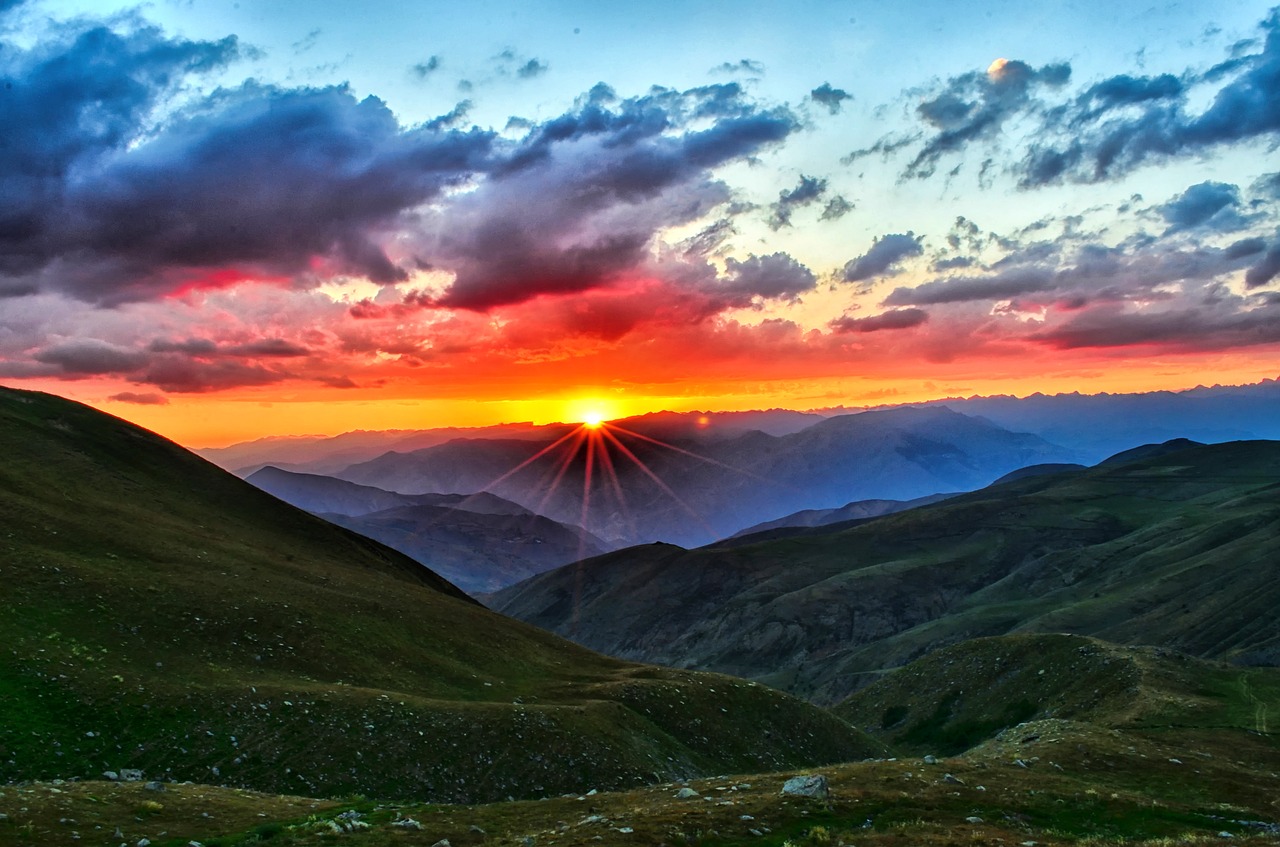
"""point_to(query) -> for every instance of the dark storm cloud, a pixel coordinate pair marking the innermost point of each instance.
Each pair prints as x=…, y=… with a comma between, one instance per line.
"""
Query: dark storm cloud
x=1210, y=205
x=809, y=189
x=896, y=319
x=1134, y=122
x=974, y=106
x=830, y=97
x=1000, y=286
x=187, y=376
x=882, y=259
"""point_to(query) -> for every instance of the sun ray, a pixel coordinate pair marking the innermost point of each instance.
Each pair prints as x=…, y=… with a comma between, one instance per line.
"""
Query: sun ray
x=658, y=481
x=606, y=462
x=706, y=459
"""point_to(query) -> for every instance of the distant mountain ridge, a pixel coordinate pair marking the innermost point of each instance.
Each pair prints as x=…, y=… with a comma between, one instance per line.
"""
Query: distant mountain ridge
x=695, y=492
x=1180, y=547
x=479, y=542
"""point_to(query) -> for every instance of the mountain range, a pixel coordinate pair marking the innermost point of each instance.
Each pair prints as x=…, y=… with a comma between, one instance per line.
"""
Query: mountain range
x=1177, y=546
x=479, y=542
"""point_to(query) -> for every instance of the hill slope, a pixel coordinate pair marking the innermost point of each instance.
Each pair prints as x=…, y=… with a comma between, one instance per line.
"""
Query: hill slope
x=164, y=615
x=1180, y=549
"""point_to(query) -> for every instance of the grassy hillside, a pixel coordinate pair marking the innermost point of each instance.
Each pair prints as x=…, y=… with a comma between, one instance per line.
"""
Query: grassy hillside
x=1177, y=549
x=161, y=614
x=1155, y=757
x=959, y=696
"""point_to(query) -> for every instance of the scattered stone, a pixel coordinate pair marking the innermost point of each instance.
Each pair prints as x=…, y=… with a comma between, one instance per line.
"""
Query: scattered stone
x=931, y=760
x=153, y=785
x=144, y=842
x=808, y=785
x=130, y=775
x=954, y=780
x=475, y=830
x=686, y=792
x=443, y=842
x=111, y=775
x=1224, y=833
x=1175, y=761
x=407, y=823
x=625, y=830
x=757, y=833
x=973, y=819
x=745, y=818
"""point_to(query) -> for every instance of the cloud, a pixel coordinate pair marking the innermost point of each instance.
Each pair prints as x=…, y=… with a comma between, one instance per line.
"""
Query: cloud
x=1000, y=286
x=777, y=276
x=809, y=190
x=837, y=207
x=975, y=106
x=140, y=399
x=747, y=66
x=91, y=357
x=830, y=97
x=1266, y=270
x=250, y=182
x=1207, y=205
x=1123, y=123
x=886, y=253
x=1180, y=329
x=896, y=319
x=427, y=67
x=608, y=177
x=532, y=68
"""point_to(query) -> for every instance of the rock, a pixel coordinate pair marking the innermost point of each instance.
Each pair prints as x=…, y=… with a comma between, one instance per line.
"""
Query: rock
x=130, y=775
x=973, y=819
x=144, y=842
x=954, y=780
x=931, y=760
x=443, y=842
x=808, y=785
x=475, y=830
x=153, y=785
x=686, y=792
x=407, y=823
x=111, y=775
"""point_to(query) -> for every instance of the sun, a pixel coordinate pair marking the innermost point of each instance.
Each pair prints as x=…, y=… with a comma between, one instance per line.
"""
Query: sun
x=593, y=419
x=591, y=412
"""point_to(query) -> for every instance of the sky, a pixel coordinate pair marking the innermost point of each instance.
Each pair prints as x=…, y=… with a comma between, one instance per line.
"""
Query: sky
x=229, y=220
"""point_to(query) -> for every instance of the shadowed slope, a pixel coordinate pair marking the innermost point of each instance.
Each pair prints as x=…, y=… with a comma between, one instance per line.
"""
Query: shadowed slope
x=164, y=615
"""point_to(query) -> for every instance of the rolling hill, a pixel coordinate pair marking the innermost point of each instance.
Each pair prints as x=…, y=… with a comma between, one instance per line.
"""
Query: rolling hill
x=1180, y=549
x=163, y=615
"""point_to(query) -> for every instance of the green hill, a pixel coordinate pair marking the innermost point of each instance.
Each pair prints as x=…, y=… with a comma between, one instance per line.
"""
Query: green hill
x=163, y=615
x=959, y=696
x=1179, y=549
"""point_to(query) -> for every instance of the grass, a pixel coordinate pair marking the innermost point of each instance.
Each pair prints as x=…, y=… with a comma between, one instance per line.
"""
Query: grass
x=161, y=614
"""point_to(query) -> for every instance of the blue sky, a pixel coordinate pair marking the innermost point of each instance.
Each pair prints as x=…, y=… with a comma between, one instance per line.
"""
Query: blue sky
x=420, y=203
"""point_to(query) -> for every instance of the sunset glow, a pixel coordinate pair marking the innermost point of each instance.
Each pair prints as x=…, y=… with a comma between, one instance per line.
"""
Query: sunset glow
x=296, y=226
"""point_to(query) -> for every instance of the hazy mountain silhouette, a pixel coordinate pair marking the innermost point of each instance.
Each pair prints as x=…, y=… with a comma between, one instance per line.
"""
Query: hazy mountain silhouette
x=696, y=491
